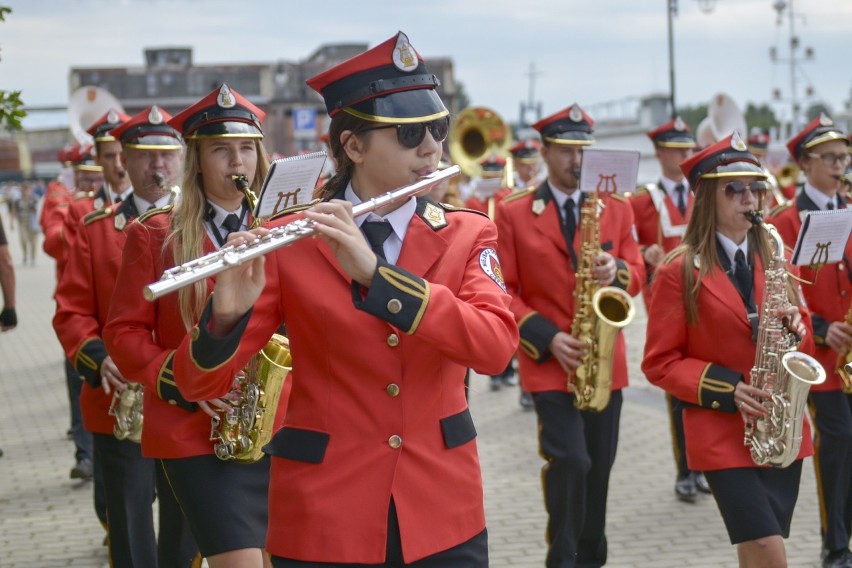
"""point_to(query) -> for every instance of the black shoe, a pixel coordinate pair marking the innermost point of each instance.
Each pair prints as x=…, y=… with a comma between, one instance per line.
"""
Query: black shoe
x=526, y=400
x=69, y=434
x=685, y=488
x=83, y=469
x=1, y=453
x=837, y=559
x=701, y=482
x=495, y=383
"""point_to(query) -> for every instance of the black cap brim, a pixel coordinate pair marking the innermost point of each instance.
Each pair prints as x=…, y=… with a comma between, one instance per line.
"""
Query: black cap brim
x=416, y=105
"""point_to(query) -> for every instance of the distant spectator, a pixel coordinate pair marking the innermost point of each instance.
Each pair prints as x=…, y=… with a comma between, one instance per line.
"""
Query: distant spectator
x=26, y=212
x=13, y=193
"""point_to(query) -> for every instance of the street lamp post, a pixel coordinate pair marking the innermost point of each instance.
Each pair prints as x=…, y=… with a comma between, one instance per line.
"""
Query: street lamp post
x=706, y=6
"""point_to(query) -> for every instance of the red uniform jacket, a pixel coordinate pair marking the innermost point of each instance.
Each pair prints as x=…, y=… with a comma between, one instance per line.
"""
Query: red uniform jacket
x=82, y=304
x=378, y=407
x=81, y=205
x=57, y=199
x=655, y=229
x=828, y=292
x=141, y=337
x=701, y=364
x=540, y=277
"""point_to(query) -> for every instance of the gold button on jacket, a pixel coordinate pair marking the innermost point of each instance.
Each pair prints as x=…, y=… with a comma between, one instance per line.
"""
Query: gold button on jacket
x=394, y=306
x=394, y=441
x=393, y=340
x=392, y=389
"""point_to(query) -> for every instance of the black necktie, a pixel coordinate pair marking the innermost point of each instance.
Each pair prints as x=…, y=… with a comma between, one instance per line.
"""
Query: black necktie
x=377, y=233
x=570, y=225
x=742, y=276
x=151, y=207
x=830, y=205
x=681, y=201
x=230, y=225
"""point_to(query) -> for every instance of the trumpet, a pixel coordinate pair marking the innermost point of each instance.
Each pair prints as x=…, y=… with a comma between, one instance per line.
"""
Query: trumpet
x=229, y=256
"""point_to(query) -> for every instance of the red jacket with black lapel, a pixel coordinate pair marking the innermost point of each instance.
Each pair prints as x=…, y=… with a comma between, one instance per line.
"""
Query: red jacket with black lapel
x=540, y=277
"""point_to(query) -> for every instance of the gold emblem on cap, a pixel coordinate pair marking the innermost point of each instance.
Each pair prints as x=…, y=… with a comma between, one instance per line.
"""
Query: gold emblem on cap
x=824, y=120
x=404, y=57
x=225, y=98
x=434, y=215
x=155, y=116
x=112, y=116
x=575, y=114
x=679, y=124
x=538, y=206
x=737, y=142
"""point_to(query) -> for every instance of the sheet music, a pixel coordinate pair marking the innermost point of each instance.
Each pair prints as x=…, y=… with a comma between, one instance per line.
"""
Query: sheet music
x=290, y=182
x=609, y=171
x=822, y=238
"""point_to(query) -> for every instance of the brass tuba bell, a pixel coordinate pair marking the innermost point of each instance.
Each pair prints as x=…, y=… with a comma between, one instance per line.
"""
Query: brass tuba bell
x=477, y=132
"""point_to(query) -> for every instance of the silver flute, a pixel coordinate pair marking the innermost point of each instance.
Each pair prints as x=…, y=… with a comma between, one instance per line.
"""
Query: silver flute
x=227, y=257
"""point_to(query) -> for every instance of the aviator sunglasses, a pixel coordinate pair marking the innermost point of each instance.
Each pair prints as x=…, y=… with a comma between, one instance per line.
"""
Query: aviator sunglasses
x=410, y=135
x=737, y=188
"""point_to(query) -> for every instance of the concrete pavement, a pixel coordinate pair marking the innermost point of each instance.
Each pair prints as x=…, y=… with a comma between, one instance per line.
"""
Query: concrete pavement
x=47, y=520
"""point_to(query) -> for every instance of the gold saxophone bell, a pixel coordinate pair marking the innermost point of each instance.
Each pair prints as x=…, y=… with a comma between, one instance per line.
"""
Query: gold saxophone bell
x=240, y=432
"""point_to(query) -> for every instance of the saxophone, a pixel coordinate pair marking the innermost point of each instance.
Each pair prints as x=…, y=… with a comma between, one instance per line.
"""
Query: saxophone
x=126, y=406
x=599, y=314
x=844, y=363
x=784, y=373
x=240, y=431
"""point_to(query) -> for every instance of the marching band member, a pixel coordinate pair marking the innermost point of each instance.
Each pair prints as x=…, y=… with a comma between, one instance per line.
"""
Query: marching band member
x=225, y=502
x=526, y=159
x=539, y=246
x=704, y=289
x=106, y=158
x=493, y=171
x=820, y=149
x=377, y=461
x=87, y=176
x=661, y=210
x=83, y=298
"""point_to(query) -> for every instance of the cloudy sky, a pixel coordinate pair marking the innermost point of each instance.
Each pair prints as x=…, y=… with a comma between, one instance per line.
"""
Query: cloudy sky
x=589, y=51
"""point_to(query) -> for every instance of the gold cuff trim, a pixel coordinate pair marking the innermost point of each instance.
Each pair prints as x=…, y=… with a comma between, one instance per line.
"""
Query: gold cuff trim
x=166, y=375
x=530, y=349
x=408, y=286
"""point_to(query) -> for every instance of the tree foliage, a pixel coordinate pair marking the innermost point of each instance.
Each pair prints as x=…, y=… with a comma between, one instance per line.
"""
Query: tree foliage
x=11, y=105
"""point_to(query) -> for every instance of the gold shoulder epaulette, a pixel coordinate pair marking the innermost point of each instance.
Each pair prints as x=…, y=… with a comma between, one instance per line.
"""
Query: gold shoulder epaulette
x=618, y=196
x=152, y=212
x=778, y=209
x=448, y=207
x=294, y=209
x=518, y=194
x=97, y=215
x=83, y=195
x=641, y=190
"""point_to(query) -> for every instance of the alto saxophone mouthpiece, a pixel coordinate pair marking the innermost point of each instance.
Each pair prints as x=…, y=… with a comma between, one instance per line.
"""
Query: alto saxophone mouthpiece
x=756, y=217
x=160, y=180
x=241, y=182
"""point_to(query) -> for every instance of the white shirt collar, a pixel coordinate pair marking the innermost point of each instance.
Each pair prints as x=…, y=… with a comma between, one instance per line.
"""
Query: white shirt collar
x=398, y=218
x=561, y=197
x=731, y=247
x=219, y=215
x=142, y=206
x=820, y=199
x=669, y=187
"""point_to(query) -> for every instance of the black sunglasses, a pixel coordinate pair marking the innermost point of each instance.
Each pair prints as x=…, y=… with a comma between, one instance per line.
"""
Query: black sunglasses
x=737, y=188
x=410, y=135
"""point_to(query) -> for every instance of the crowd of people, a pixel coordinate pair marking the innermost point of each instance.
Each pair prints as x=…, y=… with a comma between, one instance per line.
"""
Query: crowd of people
x=372, y=456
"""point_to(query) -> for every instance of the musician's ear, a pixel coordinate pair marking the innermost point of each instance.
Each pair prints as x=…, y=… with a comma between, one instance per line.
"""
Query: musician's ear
x=353, y=145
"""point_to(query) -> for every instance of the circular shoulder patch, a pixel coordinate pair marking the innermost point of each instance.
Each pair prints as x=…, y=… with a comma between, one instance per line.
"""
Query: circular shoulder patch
x=490, y=265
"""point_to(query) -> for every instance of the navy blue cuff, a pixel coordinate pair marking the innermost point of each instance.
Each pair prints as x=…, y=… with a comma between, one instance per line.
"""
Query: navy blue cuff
x=396, y=296
x=88, y=361
x=820, y=330
x=716, y=388
x=622, y=275
x=167, y=389
x=209, y=352
x=536, y=334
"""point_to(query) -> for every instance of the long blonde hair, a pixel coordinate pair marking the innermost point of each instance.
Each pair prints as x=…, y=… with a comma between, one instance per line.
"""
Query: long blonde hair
x=188, y=231
x=699, y=241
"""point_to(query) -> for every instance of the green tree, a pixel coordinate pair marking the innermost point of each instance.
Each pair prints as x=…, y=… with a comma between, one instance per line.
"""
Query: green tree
x=761, y=116
x=693, y=115
x=11, y=105
x=815, y=109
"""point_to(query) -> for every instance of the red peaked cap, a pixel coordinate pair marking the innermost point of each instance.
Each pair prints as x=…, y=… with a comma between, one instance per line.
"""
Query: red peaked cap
x=389, y=83
x=526, y=150
x=569, y=126
x=83, y=158
x=726, y=158
x=148, y=130
x=819, y=130
x=112, y=119
x=673, y=134
x=223, y=113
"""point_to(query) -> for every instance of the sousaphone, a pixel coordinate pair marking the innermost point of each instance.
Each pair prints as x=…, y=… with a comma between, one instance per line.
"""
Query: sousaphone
x=86, y=105
x=723, y=117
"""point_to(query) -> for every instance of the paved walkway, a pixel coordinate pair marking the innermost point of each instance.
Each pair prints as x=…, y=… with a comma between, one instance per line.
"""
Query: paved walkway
x=47, y=519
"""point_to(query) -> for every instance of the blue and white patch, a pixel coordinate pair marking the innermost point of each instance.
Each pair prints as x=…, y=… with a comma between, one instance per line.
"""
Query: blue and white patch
x=490, y=265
